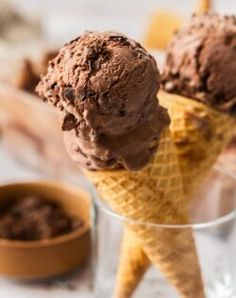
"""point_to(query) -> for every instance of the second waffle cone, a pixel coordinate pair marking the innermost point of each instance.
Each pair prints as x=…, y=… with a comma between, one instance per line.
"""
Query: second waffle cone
x=200, y=134
x=155, y=195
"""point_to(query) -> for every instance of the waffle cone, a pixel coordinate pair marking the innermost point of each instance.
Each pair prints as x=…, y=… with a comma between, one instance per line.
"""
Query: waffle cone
x=155, y=195
x=204, y=6
x=200, y=134
x=133, y=264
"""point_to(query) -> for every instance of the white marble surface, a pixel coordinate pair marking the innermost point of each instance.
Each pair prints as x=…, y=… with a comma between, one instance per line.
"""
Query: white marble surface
x=76, y=285
x=73, y=287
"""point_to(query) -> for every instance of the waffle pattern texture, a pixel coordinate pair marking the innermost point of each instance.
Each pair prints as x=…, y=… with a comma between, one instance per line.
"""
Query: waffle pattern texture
x=200, y=134
x=155, y=195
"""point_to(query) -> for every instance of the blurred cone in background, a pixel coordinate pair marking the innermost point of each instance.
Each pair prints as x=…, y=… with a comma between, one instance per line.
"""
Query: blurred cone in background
x=204, y=5
x=158, y=38
x=163, y=24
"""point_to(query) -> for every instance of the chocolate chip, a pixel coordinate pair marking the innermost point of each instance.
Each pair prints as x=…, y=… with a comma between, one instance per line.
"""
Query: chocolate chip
x=69, y=122
x=69, y=94
x=122, y=113
x=228, y=39
x=35, y=218
x=53, y=86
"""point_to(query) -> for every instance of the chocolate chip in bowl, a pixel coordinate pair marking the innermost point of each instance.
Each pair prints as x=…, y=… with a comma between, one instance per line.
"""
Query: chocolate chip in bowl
x=35, y=218
x=44, y=229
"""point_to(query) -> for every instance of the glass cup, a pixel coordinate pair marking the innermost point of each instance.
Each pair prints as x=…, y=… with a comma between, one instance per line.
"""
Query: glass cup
x=213, y=222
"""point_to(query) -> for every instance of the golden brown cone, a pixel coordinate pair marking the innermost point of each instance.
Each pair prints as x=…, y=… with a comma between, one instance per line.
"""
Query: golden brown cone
x=200, y=134
x=203, y=6
x=131, y=267
x=170, y=21
x=155, y=195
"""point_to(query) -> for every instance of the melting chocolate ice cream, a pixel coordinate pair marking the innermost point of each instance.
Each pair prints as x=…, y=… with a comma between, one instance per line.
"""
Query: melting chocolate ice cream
x=201, y=61
x=105, y=86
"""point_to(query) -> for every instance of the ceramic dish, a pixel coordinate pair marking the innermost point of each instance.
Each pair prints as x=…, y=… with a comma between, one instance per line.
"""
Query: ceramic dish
x=47, y=258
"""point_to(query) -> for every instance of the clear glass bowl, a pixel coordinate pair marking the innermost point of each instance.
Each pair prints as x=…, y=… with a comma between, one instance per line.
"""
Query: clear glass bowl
x=213, y=222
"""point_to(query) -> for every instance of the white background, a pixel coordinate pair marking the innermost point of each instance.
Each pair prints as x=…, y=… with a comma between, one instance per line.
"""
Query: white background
x=65, y=19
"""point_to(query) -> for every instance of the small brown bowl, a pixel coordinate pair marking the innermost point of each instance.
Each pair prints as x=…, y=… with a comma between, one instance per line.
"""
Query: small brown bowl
x=47, y=258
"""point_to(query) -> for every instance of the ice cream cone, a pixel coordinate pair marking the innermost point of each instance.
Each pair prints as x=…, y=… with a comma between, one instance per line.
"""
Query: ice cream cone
x=203, y=6
x=170, y=21
x=155, y=195
x=200, y=134
x=104, y=86
x=133, y=263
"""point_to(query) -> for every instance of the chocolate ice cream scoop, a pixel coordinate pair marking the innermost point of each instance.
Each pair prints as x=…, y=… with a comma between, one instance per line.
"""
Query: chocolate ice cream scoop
x=105, y=86
x=201, y=61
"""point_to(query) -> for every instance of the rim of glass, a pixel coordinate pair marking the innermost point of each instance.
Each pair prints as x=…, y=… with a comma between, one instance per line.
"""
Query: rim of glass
x=219, y=167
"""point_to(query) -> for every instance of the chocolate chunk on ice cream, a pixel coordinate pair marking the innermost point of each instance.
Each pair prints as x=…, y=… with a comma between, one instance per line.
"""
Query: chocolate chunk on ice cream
x=201, y=61
x=105, y=86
